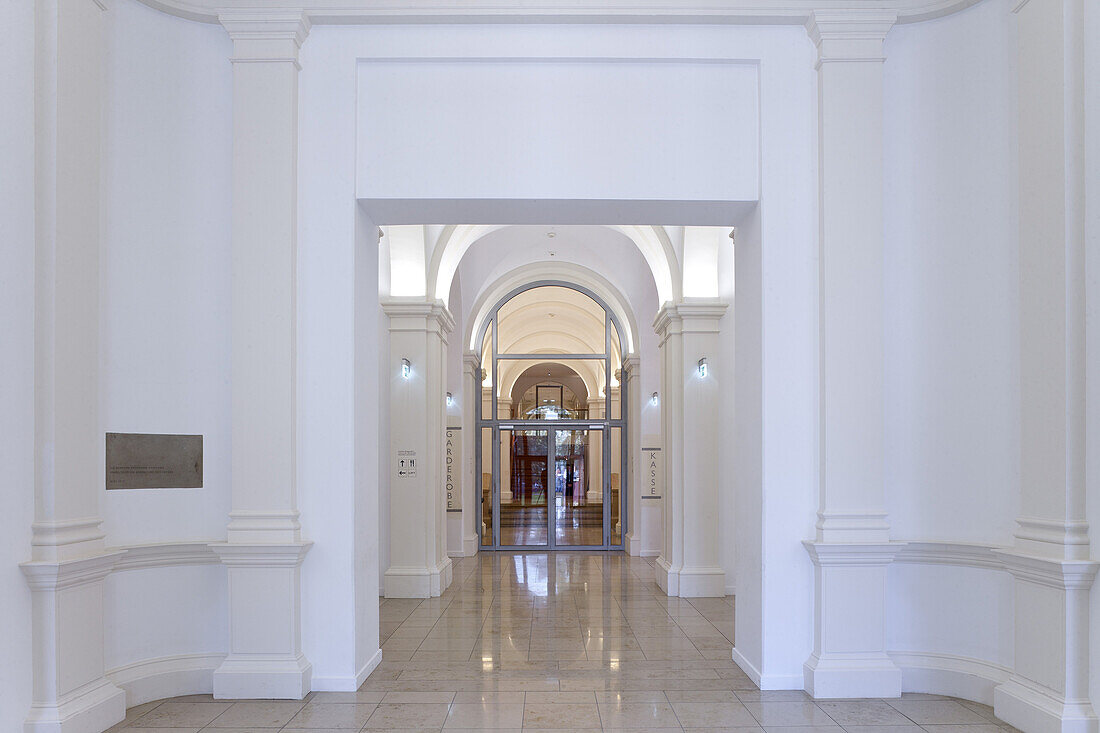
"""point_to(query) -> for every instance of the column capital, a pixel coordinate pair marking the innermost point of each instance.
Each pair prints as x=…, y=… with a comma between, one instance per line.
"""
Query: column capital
x=849, y=35
x=418, y=314
x=265, y=35
x=694, y=315
x=631, y=362
x=471, y=362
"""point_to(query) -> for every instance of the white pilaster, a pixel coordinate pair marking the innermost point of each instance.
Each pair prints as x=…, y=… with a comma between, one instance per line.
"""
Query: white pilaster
x=689, y=563
x=419, y=566
x=632, y=541
x=68, y=563
x=264, y=549
x=471, y=490
x=851, y=551
x=1048, y=691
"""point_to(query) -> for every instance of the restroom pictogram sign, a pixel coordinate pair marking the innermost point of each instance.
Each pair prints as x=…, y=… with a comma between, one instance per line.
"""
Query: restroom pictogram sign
x=405, y=464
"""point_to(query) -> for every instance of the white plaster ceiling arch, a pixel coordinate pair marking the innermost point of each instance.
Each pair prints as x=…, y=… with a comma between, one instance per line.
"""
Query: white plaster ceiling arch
x=536, y=378
x=552, y=272
x=551, y=317
x=652, y=241
x=513, y=369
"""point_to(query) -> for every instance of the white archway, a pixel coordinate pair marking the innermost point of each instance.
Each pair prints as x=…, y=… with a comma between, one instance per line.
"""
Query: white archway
x=652, y=241
x=549, y=271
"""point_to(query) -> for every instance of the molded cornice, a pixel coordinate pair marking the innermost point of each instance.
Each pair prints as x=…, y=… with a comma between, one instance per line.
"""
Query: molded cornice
x=563, y=11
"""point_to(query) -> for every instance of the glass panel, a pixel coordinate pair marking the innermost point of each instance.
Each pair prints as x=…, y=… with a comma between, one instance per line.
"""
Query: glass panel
x=578, y=487
x=551, y=319
x=486, y=487
x=524, y=478
x=616, y=372
x=617, y=483
x=561, y=389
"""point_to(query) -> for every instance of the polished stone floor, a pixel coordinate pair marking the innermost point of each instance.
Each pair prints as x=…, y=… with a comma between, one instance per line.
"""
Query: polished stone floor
x=560, y=642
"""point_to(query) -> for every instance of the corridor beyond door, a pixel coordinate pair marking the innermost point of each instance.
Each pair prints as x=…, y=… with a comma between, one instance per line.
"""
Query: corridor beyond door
x=551, y=449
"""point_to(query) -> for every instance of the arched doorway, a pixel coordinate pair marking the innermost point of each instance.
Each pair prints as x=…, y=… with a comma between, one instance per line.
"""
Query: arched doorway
x=551, y=440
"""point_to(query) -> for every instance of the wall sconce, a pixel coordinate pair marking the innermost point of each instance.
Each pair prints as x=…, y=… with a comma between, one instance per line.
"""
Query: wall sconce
x=703, y=368
x=406, y=369
x=653, y=399
x=450, y=400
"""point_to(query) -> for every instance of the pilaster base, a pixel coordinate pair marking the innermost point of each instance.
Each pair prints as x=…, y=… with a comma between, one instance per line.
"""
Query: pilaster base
x=265, y=633
x=263, y=679
x=1027, y=707
x=71, y=691
x=849, y=657
x=852, y=676
x=702, y=582
x=418, y=582
x=668, y=577
x=632, y=544
x=469, y=545
x=91, y=709
x=1048, y=690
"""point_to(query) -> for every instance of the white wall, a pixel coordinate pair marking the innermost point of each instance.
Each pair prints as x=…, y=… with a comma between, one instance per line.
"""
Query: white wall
x=531, y=125
x=1092, y=326
x=165, y=269
x=728, y=467
x=164, y=299
x=952, y=435
x=952, y=335
x=337, y=307
x=16, y=356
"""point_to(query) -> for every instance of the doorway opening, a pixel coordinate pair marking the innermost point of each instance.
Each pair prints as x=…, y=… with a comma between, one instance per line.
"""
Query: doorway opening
x=551, y=446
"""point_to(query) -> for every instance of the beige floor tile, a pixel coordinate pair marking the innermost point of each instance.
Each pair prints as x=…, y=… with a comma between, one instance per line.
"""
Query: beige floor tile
x=548, y=715
x=181, y=715
x=637, y=715
x=268, y=714
x=408, y=715
x=789, y=714
x=712, y=714
x=419, y=697
x=937, y=712
x=333, y=715
x=485, y=716
x=862, y=713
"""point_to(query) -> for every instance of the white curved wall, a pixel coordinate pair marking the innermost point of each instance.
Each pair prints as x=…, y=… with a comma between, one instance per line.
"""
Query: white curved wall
x=17, y=335
x=952, y=344
x=165, y=339
x=952, y=322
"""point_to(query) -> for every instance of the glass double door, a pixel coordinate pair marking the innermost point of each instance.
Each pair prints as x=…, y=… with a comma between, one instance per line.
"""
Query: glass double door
x=552, y=488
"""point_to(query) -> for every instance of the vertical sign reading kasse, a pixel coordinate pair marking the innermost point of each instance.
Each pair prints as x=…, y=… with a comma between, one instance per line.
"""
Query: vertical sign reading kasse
x=653, y=472
x=452, y=457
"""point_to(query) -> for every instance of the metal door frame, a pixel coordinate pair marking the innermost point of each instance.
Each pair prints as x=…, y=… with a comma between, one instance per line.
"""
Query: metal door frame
x=605, y=425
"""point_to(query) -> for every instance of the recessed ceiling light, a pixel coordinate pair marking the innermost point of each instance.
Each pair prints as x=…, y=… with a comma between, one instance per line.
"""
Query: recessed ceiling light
x=551, y=234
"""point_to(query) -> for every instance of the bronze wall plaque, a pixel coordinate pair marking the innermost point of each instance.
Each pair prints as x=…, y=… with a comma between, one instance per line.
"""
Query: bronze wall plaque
x=147, y=461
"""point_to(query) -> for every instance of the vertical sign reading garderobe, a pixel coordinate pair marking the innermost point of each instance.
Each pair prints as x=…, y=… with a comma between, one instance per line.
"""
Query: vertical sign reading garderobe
x=452, y=456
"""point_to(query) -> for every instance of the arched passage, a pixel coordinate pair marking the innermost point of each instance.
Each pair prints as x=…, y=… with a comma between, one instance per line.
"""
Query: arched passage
x=652, y=241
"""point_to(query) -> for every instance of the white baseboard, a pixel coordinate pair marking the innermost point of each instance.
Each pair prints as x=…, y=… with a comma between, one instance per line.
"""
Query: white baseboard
x=161, y=677
x=1025, y=706
x=950, y=674
x=350, y=683
x=91, y=708
x=633, y=545
x=746, y=666
x=731, y=589
x=469, y=545
x=768, y=681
